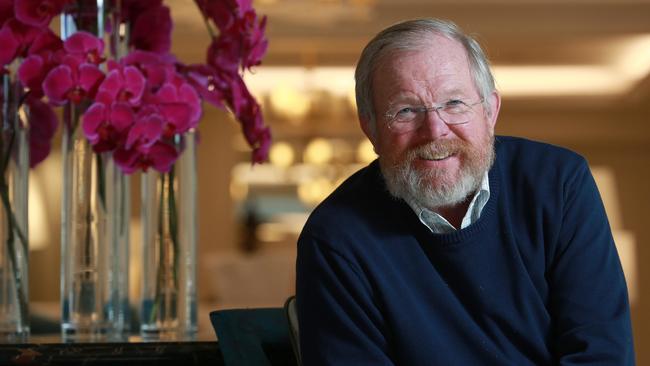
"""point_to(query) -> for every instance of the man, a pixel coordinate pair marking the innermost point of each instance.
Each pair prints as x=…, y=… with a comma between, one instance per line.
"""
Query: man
x=456, y=247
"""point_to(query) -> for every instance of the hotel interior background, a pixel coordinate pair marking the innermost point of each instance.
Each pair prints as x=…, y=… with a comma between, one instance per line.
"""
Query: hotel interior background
x=572, y=72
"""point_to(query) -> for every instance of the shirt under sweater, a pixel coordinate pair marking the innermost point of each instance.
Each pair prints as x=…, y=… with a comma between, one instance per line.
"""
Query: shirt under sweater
x=536, y=280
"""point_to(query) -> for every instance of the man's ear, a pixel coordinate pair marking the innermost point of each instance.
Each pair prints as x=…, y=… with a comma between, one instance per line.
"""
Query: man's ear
x=494, y=105
x=369, y=130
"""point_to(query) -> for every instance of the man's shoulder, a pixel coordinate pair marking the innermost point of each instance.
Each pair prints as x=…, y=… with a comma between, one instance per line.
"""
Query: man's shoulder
x=357, y=200
x=528, y=154
x=536, y=169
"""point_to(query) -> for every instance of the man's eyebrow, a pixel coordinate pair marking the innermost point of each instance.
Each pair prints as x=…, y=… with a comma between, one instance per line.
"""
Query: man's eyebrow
x=403, y=97
x=451, y=92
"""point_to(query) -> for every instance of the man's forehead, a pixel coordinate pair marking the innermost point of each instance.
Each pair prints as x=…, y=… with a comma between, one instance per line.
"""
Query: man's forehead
x=441, y=62
x=436, y=50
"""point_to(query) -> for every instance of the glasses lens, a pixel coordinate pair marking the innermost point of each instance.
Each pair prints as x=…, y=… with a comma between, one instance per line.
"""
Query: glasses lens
x=456, y=114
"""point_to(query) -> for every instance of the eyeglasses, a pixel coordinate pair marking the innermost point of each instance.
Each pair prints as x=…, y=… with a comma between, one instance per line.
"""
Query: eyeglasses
x=409, y=118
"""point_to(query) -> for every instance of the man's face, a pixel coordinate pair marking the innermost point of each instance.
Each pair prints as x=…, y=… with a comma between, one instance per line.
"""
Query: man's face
x=437, y=164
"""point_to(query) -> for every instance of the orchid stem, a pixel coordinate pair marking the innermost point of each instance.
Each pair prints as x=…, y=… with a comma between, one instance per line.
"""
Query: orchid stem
x=167, y=231
x=12, y=222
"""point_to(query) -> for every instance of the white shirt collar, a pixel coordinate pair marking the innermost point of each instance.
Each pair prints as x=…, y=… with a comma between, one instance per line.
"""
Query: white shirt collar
x=439, y=225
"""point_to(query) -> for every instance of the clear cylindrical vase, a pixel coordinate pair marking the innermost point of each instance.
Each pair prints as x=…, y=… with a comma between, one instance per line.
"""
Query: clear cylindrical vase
x=95, y=217
x=14, y=169
x=94, y=239
x=169, y=225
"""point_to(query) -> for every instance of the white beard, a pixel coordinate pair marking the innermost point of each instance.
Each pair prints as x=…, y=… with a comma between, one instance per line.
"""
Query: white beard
x=435, y=189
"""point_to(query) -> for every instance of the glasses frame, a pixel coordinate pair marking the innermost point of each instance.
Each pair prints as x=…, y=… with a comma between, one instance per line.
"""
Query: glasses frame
x=391, y=117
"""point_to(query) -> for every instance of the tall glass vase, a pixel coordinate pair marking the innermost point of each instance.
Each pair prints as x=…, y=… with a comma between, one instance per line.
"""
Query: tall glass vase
x=169, y=226
x=14, y=168
x=95, y=218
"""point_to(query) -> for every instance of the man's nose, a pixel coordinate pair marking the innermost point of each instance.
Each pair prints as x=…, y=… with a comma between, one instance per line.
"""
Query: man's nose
x=432, y=125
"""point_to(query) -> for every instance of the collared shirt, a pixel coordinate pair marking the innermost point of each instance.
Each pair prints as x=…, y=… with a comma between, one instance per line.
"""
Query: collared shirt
x=439, y=225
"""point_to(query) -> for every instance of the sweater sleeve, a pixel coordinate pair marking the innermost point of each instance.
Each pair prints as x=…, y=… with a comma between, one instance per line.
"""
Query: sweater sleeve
x=588, y=303
x=338, y=320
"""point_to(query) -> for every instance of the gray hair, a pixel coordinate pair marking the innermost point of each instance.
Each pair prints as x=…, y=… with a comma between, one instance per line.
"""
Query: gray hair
x=410, y=36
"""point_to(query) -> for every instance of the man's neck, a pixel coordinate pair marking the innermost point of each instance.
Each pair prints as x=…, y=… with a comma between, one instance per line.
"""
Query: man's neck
x=454, y=214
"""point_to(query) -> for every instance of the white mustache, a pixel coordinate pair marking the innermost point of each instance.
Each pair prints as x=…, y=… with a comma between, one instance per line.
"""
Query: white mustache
x=435, y=150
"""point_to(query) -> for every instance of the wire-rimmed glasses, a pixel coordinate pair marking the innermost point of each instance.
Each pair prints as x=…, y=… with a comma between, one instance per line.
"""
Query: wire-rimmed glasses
x=408, y=118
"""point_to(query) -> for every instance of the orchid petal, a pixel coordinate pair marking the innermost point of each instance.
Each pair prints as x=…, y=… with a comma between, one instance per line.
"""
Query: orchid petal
x=162, y=156
x=90, y=76
x=29, y=72
x=10, y=44
x=6, y=10
x=84, y=43
x=37, y=13
x=178, y=117
x=126, y=159
x=110, y=86
x=46, y=40
x=43, y=124
x=57, y=83
x=121, y=116
x=189, y=95
x=134, y=83
x=142, y=36
x=92, y=118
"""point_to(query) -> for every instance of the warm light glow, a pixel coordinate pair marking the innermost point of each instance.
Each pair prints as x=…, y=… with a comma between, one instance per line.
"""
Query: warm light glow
x=626, y=247
x=281, y=154
x=39, y=230
x=352, y=99
x=634, y=62
x=365, y=152
x=337, y=80
x=630, y=65
x=289, y=102
x=238, y=190
x=558, y=80
x=605, y=178
x=319, y=151
x=315, y=191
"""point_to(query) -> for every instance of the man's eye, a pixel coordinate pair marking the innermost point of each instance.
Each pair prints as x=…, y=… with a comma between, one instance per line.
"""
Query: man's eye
x=405, y=111
x=454, y=103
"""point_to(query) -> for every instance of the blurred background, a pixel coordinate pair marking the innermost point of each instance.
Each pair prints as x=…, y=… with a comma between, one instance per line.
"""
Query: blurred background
x=574, y=73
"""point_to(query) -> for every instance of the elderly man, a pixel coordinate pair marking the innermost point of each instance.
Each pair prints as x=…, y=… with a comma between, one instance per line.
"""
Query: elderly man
x=456, y=247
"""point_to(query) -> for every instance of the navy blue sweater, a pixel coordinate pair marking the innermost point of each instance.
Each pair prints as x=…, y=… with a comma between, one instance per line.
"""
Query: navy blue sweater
x=535, y=281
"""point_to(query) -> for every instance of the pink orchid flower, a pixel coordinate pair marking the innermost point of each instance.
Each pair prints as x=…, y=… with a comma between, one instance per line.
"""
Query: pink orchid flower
x=161, y=156
x=155, y=67
x=151, y=31
x=43, y=55
x=38, y=13
x=241, y=39
x=124, y=84
x=72, y=81
x=147, y=131
x=224, y=52
x=85, y=46
x=43, y=124
x=132, y=9
x=213, y=85
x=179, y=103
x=6, y=10
x=254, y=42
x=224, y=12
x=248, y=112
x=10, y=44
x=107, y=125
x=15, y=39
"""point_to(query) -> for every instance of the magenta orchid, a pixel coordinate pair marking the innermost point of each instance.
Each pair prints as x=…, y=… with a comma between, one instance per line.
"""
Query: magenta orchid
x=140, y=103
x=38, y=13
x=45, y=123
x=106, y=126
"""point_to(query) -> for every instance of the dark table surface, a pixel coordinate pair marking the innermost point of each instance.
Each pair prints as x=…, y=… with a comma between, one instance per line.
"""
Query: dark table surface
x=50, y=350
